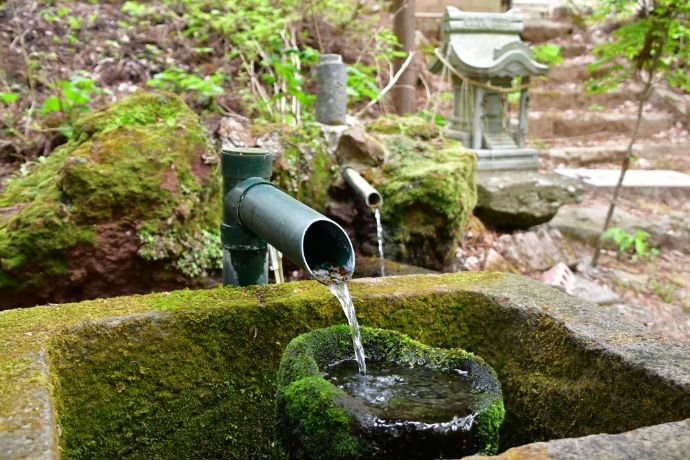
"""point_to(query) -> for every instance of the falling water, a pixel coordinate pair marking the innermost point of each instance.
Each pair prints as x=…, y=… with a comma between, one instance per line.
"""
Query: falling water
x=342, y=293
x=379, y=235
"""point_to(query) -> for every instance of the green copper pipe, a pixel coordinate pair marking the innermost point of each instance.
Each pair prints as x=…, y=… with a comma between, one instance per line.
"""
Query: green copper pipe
x=314, y=242
x=245, y=260
x=255, y=212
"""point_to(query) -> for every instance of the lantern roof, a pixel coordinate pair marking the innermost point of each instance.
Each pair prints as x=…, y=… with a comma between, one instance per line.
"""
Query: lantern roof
x=485, y=45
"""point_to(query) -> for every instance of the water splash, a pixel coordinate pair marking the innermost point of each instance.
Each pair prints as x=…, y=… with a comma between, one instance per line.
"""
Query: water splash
x=342, y=293
x=379, y=235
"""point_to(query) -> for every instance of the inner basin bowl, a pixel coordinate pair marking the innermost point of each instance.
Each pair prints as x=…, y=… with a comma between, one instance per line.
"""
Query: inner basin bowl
x=416, y=401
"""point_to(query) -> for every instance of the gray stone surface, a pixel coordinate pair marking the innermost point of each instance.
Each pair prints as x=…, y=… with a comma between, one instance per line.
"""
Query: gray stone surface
x=609, y=153
x=31, y=434
x=634, y=178
x=521, y=199
x=592, y=292
x=331, y=96
x=233, y=133
x=668, y=441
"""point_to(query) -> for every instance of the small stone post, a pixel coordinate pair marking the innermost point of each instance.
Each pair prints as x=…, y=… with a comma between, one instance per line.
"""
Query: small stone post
x=331, y=95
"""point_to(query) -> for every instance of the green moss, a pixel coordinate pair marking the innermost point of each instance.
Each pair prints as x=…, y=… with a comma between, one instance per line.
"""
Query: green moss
x=409, y=125
x=137, y=163
x=489, y=423
x=429, y=191
x=323, y=427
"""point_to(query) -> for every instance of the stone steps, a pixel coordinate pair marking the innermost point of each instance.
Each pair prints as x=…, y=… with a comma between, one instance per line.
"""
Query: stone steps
x=550, y=124
x=544, y=99
x=569, y=72
x=655, y=184
x=609, y=153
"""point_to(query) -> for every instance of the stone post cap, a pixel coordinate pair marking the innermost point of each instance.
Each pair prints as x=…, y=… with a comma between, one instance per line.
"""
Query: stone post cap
x=330, y=59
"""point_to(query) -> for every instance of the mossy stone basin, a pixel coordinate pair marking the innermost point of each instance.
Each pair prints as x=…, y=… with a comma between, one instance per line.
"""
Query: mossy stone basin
x=317, y=419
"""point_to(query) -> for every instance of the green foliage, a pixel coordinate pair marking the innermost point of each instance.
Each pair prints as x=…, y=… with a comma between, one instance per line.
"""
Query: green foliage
x=283, y=71
x=653, y=42
x=71, y=98
x=637, y=242
x=178, y=81
x=362, y=79
x=8, y=98
x=137, y=9
x=361, y=82
x=548, y=53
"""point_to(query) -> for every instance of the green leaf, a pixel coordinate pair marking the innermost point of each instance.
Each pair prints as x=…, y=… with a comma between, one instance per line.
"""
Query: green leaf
x=51, y=104
x=8, y=98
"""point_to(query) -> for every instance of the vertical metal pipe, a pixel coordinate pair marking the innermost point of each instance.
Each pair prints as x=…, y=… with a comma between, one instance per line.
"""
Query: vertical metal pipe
x=245, y=259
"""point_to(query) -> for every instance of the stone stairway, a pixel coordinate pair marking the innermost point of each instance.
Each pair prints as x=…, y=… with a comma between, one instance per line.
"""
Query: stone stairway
x=573, y=128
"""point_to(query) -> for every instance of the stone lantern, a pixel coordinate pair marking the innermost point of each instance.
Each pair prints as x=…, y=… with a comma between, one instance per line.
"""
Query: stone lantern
x=484, y=54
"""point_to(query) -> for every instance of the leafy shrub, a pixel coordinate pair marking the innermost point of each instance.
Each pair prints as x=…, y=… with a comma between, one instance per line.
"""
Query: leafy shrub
x=71, y=98
x=637, y=242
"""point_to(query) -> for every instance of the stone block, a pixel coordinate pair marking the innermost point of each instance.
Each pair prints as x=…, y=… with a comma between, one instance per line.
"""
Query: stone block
x=521, y=199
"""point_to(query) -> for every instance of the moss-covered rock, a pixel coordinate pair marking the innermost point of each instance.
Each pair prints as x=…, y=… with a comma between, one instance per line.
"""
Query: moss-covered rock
x=128, y=205
x=412, y=126
x=315, y=419
x=429, y=191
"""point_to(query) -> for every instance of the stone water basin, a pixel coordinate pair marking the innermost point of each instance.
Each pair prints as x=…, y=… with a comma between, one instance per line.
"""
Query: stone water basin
x=415, y=401
x=193, y=374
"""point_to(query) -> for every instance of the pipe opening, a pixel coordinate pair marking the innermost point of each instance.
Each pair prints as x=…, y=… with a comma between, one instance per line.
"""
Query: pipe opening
x=328, y=252
x=373, y=200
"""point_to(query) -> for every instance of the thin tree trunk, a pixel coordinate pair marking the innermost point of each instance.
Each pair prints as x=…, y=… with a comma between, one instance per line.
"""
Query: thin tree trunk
x=644, y=97
x=404, y=92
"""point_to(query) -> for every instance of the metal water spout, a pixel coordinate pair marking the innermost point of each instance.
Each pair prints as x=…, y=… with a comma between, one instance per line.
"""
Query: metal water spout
x=255, y=212
x=363, y=188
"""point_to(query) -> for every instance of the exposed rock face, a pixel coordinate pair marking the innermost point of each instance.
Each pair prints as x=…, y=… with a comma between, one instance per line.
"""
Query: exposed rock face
x=356, y=146
x=129, y=205
x=428, y=191
x=537, y=250
x=521, y=199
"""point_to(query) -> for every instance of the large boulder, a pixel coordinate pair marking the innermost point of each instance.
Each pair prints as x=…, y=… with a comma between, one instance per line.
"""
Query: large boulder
x=428, y=191
x=130, y=204
x=521, y=199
